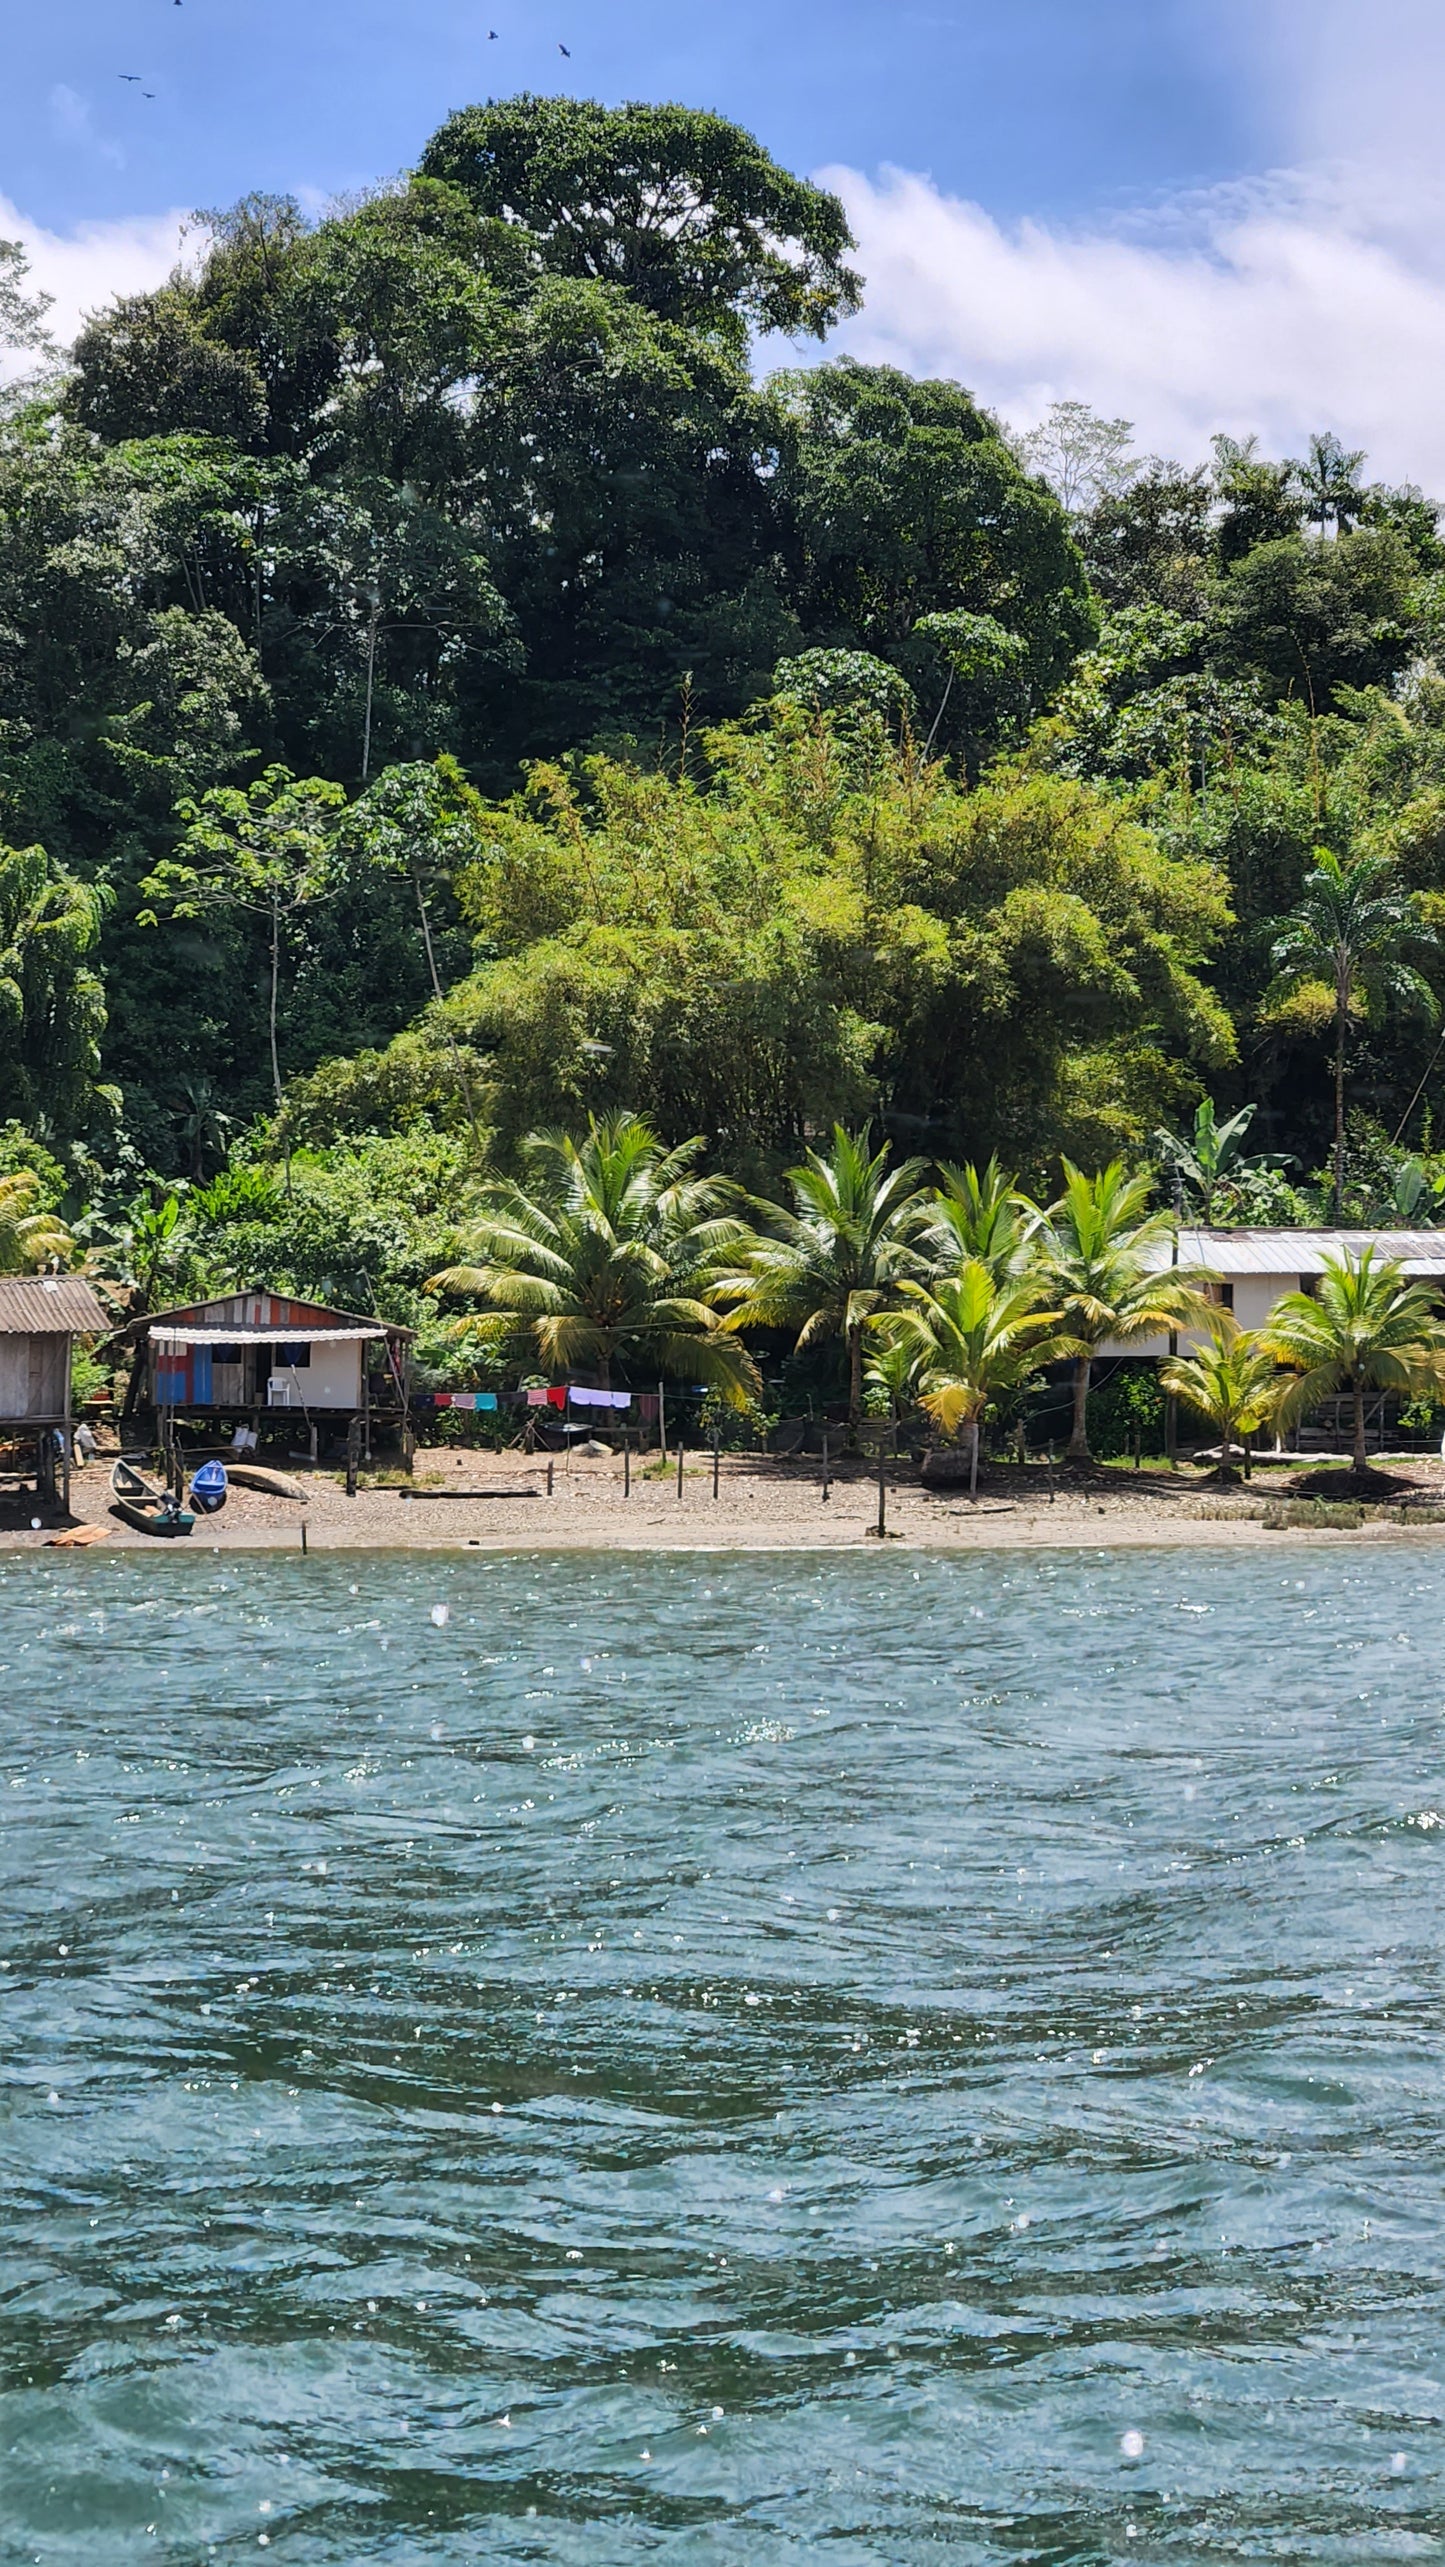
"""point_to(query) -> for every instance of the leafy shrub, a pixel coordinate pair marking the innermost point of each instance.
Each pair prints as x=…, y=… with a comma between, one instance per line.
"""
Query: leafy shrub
x=1127, y=1401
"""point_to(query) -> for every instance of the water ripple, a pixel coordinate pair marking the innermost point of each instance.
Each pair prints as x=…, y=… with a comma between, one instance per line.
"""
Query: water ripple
x=732, y=2060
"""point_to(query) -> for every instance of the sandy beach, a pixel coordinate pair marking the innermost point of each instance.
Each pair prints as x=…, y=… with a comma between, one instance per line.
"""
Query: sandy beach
x=499, y=1501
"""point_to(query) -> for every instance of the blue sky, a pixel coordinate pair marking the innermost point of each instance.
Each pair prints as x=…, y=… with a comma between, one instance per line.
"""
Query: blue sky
x=1037, y=106
x=1194, y=214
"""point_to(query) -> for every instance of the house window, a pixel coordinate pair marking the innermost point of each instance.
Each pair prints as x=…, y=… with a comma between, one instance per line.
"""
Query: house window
x=295, y=1358
x=225, y=1354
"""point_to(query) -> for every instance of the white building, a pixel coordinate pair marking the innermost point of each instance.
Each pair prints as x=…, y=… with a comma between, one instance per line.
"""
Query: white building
x=1251, y=1268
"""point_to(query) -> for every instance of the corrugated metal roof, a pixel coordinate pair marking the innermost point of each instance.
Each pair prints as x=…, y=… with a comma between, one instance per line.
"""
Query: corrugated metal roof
x=1302, y=1252
x=48, y=1306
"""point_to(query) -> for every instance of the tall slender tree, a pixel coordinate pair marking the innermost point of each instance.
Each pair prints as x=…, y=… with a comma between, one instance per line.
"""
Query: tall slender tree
x=1345, y=941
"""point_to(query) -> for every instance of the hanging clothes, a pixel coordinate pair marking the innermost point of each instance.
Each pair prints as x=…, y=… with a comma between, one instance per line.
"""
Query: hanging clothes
x=486, y=1399
x=538, y=1398
x=556, y=1397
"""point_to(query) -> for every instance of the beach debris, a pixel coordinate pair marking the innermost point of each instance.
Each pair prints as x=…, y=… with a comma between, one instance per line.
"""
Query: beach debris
x=77, y=1537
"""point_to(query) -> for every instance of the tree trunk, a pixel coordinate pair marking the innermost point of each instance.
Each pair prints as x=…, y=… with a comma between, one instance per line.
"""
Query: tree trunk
x=973, y=1463
x=1079, y=1438
x=370, y=683
x=275, y=1054
x=275, y=976
x=1341, y=1012
x=436, y=988
x=855, y=1381
x=1360, y=1461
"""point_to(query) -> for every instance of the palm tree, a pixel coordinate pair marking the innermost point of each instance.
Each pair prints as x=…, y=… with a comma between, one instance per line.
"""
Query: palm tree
x=1365, y=1327
x=973, y=1336
x=892, y=1368
x=1101, y=1259
x=1233, y=1379
x=1348, y=931
x=606, y=1253
x=978, y=1213
x=29, y=1239
x=826, y=1265
x=1329, y=477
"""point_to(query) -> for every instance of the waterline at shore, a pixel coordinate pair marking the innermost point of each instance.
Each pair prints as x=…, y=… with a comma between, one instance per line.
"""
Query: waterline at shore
x=500, y=1502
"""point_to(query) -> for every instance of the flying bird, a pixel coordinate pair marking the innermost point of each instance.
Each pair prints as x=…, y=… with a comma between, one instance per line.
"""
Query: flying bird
x=148, y=93
x=491, y=35
x=567, y=50
x=127, y=75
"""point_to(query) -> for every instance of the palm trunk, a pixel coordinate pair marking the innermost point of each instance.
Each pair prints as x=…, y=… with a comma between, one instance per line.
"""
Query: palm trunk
x=1079, y=1438
x=275, y=976
x=370, y=686
x=275, y=1054
x=1361, y=1459
x=1341, y=1008
x=855, y=1381
x=973, y=1463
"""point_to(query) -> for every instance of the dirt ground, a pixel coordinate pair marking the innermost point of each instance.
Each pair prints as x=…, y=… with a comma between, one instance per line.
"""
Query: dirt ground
x=499, y=1501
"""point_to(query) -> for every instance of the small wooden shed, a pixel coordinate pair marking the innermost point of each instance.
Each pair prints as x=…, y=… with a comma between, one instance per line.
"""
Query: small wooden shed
x=245, y=1354
x=40, y=1318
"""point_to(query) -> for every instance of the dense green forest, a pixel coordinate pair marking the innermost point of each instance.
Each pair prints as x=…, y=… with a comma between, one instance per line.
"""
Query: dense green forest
x=451, y=686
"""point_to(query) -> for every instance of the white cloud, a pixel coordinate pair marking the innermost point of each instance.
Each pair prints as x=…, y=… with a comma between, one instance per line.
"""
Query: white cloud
x=84, y=268
x=1284, y=306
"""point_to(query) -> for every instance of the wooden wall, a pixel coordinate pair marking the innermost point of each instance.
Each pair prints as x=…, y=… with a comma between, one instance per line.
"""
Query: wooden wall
x=33, y=1374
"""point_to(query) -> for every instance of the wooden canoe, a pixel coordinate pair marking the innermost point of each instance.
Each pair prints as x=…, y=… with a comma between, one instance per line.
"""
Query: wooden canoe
x=254, y=1475
x=138, y=1502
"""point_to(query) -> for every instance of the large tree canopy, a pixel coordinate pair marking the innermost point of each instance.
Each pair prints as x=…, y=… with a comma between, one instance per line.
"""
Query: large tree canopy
x=749, y=751
x=684, y=211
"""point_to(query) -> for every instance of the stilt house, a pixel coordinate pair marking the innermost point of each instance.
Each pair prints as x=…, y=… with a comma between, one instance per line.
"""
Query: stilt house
x=246, y=1354
x=40, y=1318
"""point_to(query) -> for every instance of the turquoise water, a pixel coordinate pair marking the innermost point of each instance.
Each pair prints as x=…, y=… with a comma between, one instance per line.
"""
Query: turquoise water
x=722, y=2059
